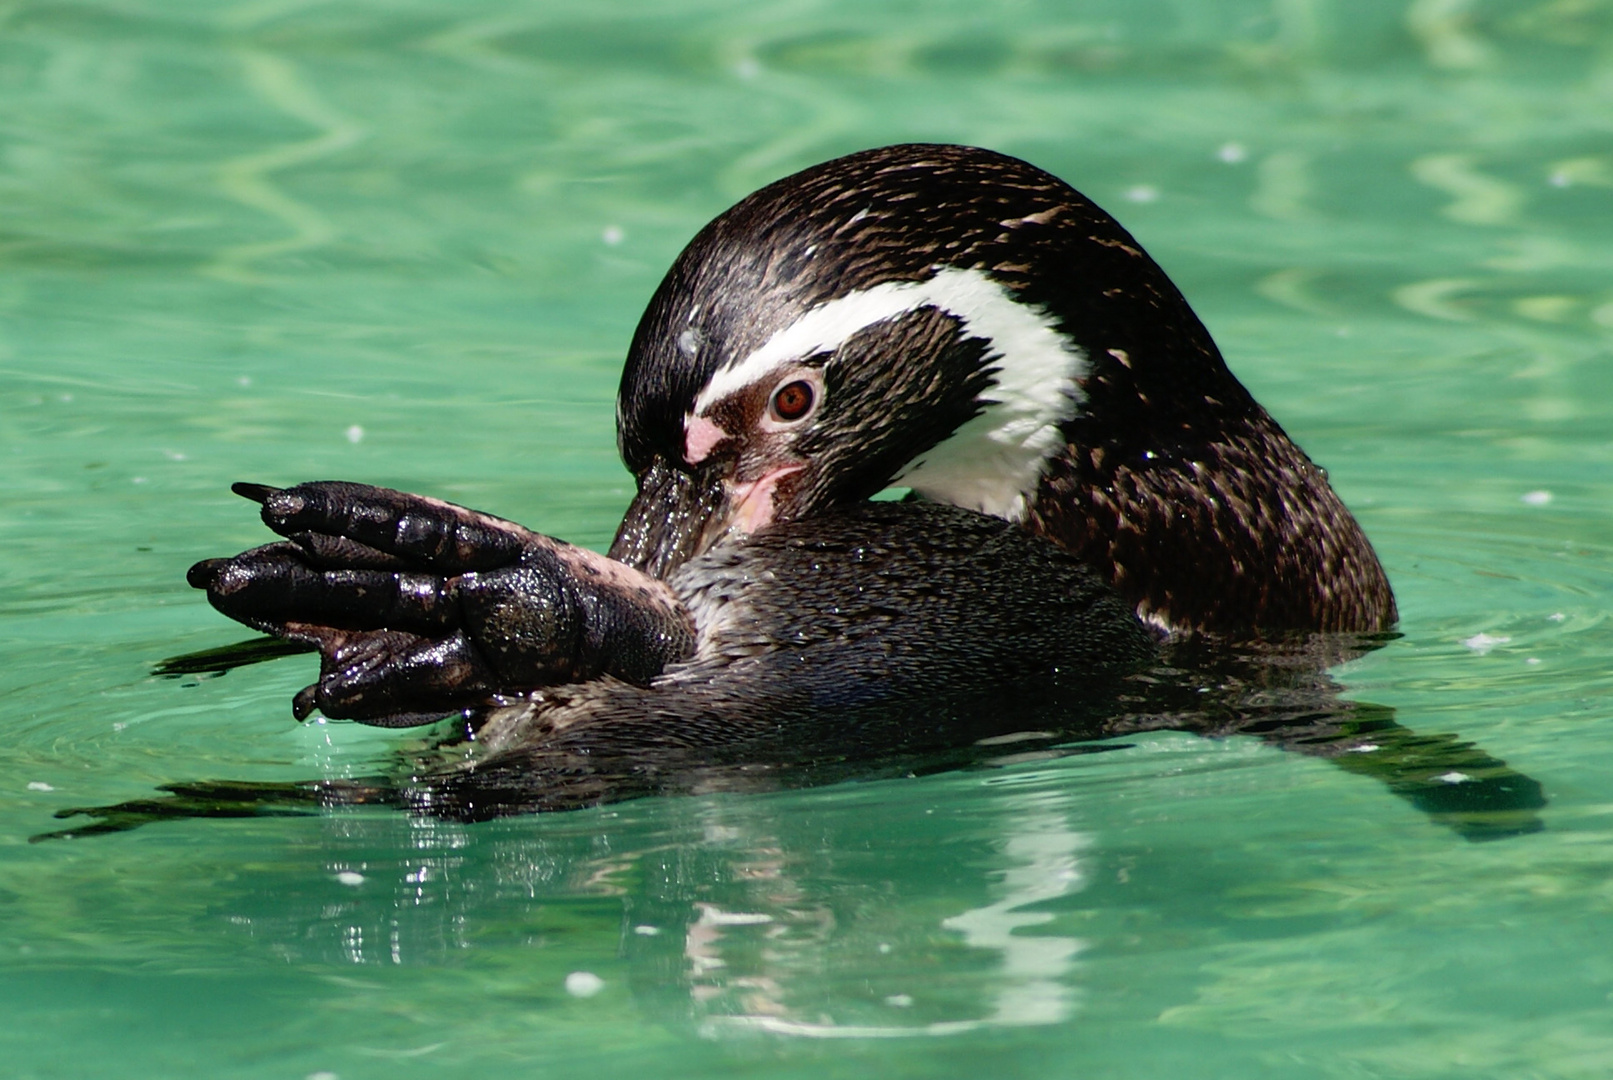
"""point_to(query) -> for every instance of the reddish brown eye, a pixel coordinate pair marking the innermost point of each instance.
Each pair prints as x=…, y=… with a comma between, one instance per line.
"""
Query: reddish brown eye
x=793, y=400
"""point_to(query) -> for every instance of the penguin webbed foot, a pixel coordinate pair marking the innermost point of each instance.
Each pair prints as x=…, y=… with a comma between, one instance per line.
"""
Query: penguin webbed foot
x=420, y=609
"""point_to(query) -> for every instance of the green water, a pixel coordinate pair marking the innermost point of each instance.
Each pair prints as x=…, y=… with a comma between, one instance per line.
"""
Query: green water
x=406, y=243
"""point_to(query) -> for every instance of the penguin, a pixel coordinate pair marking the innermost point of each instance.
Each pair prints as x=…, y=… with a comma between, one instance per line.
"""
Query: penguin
x=975, y=329
x=1103, y=534
x=1086, y=478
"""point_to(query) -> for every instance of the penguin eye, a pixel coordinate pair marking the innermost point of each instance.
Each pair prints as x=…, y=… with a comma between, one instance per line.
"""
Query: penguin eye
x=792, y=401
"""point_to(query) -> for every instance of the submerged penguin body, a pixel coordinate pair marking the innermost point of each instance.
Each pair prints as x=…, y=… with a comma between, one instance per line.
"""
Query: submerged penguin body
x=875, y=627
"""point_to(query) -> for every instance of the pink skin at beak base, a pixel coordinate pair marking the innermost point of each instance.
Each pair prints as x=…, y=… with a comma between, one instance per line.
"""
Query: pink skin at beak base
x=754, y=501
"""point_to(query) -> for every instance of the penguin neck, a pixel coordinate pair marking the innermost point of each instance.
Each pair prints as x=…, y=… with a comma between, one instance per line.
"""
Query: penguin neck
x=1204, y=513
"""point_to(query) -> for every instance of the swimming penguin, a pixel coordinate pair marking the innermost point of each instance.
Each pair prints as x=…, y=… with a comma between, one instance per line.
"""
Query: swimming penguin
x=1087, y=478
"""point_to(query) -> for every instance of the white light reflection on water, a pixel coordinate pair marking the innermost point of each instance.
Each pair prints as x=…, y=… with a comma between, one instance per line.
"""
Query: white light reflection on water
x=1046, y=851
x=1042, y=855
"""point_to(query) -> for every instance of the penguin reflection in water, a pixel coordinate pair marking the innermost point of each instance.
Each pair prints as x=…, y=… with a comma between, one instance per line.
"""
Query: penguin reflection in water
x=1105, y=534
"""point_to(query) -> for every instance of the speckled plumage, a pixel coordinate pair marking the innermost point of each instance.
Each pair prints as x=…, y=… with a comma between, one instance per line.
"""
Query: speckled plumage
x=900, y=618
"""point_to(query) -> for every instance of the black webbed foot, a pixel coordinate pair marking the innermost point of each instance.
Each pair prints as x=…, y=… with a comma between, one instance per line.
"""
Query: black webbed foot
x=420, y=609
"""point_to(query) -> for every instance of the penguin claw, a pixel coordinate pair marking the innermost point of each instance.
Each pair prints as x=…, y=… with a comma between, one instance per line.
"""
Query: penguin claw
x=204, y=573
x=258, y=493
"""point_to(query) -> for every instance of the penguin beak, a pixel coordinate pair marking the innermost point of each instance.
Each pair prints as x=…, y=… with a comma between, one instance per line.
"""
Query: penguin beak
x=674, y=517
x=678, y=514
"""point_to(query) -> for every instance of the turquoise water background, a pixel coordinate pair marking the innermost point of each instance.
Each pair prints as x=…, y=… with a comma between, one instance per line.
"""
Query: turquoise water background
x=406, y=243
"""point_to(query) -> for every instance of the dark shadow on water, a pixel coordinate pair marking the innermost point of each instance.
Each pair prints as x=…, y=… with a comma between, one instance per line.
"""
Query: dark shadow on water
x=224, y=658
x=1275, y=690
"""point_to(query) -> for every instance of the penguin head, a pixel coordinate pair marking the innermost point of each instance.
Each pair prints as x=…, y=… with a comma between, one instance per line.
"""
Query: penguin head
x=938, y=317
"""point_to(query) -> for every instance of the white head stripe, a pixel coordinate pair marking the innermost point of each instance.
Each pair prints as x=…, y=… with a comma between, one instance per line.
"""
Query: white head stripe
x=994, y=461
